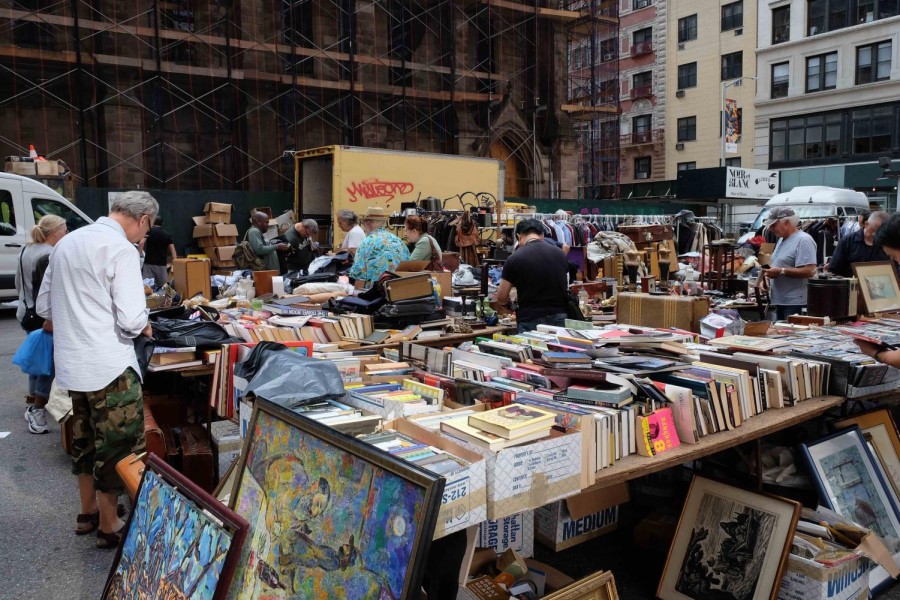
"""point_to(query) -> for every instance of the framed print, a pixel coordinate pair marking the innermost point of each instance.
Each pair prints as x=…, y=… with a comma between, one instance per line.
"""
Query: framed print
x=179, y=541
x=226, y=484
x=878, y=285
x=851, y=485
x=330, y=516
x=879, y=424
x=597, y=586
x=730, y=544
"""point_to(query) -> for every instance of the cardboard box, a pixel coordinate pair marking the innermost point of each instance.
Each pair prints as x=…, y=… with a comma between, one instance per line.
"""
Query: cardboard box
x=20, y=167
x=393, y=409
x=805, y=579
x=226, y=443
x=444, y=279
x=579, y=518
x=531, y=475
x=192, y=277
x=221, y=256
x=464, y=502
x=200, y=220
x=683, y=312
x=514, y=531
x=214, y=235
x=217, y=212
x=48, y=168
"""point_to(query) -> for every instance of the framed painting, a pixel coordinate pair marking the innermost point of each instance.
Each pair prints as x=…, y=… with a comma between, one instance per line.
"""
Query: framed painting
x=878, y=285
x=880, y=426
x=730, y=544
x=851, y=484
x=330, y=516
x=179, y=541
x=598, y=586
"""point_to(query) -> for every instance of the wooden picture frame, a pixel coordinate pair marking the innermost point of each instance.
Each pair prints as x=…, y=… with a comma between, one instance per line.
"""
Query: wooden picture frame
x=194, y=540
x=881, y=426
x=851, y=484
x=723, y=530
x=597, y=586
x=226, y=483
x=330, y=516
x=878, y=285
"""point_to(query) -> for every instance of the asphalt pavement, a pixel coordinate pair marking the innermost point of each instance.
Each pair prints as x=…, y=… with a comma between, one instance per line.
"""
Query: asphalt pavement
x=40, y=555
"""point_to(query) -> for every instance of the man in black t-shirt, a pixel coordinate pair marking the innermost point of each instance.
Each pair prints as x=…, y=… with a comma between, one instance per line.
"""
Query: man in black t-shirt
x=158, y=246
x=538, y=272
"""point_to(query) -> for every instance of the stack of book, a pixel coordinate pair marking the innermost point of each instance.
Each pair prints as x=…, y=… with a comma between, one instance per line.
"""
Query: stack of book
x=426, y=456
x=341, y=417
x=167, y=359
x=501, y=427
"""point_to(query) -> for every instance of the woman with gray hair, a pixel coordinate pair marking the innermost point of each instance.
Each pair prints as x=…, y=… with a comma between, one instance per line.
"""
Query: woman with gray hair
x=353, y=233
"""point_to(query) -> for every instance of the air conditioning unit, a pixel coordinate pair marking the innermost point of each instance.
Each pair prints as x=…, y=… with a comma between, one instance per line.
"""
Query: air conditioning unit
x=609, y=56
x=642, y=175
x=739, y=31
x=681, y=46
x=679, y=146
x=679, y=94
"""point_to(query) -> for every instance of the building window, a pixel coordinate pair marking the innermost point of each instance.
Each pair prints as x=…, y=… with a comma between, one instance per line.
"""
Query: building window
x=687, y=29
x=829, y=15
x=781, y=24
x=641, y=132
x=733, y=15
x=806, y=138
x=642, y=41
x=687, y=129
x=642, y=84
x=871, y=130
x=608, y=50
x=865, y=11
x=732, y=65
x=873, y=62
x=687, y=166
x=780, y=80
x=821, y=72
x=733, y=162
x=687, y=76
x=642, y=167
x=639, y=4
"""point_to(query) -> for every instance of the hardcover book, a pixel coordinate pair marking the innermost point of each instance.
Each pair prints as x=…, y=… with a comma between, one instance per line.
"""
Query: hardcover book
x=512, y=421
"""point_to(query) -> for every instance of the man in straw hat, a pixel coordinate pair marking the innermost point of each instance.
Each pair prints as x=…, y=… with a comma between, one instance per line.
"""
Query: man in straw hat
x=380, y=251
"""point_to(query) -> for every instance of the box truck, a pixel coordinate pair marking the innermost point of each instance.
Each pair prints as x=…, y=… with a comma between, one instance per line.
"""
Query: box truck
x=334, y=178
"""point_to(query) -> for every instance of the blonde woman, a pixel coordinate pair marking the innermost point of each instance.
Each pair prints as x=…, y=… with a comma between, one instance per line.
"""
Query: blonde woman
x=33, y=262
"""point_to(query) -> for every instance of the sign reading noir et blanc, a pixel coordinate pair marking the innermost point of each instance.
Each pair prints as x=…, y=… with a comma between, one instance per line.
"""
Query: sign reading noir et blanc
x=750, y=183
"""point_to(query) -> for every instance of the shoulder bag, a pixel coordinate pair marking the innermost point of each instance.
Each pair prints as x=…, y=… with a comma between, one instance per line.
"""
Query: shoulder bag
x=435, y=264
x=30, y=320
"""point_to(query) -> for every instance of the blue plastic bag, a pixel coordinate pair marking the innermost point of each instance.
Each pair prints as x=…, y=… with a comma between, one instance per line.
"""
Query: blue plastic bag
x=35, y=355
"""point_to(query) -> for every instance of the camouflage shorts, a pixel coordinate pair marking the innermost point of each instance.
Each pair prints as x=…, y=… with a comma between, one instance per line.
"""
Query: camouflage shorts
x=108, y=426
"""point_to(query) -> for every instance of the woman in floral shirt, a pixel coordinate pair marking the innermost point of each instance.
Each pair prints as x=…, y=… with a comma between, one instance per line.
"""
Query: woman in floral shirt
x=381, y=250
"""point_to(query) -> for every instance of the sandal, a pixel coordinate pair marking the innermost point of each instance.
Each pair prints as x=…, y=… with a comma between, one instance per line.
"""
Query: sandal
x=111, y=540
x=88, y=523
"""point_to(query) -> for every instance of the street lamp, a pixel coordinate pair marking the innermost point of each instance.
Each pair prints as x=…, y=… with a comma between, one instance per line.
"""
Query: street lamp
x=725, y=85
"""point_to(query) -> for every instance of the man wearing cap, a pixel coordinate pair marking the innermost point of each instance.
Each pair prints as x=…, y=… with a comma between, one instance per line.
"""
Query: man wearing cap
x=380, y=251
x=793, y=262
x=538, y=272
x=859, y=246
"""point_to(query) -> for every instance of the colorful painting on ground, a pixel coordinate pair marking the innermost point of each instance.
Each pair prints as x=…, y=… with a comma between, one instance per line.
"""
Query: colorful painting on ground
x=324, y=521
x=172, y=549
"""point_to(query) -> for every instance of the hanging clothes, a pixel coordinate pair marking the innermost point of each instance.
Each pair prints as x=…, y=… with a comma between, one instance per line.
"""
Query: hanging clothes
x=467, y=238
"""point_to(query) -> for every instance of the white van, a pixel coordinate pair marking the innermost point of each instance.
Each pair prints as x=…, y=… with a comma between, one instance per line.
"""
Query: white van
x=813, y=202
x=23, y=201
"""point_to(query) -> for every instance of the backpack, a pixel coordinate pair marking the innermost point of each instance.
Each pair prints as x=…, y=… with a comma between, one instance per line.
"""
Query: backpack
x=245, y=258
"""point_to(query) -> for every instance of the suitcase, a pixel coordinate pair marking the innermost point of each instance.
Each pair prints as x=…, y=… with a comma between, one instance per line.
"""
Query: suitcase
x=153, y=434
x=408, y=288
x=197, y=462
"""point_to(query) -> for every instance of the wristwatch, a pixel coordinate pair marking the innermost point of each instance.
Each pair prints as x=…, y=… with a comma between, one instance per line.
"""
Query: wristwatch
x=782, y=272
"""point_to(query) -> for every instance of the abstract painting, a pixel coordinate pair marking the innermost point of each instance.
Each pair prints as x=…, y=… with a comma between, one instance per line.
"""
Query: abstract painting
x=851, y=484
x=179, y=542
x=330, y=516
x=731, y=544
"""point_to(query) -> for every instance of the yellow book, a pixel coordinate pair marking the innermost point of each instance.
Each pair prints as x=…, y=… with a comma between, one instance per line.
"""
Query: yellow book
x=513, y=421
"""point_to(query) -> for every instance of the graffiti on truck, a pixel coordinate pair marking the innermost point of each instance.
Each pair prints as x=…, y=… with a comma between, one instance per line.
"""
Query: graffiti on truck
x=375, y=189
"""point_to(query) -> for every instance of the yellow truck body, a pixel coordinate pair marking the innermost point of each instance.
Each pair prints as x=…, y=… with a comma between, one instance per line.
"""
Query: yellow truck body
x=334, y=178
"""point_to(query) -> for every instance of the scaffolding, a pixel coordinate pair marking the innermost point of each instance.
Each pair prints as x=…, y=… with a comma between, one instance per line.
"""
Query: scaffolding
x=210, y=94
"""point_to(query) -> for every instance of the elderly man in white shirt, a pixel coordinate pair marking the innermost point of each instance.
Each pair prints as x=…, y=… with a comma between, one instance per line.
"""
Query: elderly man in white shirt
x=93, y=292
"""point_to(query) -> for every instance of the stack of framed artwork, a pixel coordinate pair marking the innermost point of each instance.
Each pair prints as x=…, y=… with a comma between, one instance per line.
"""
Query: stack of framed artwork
x=330, y=516
x=856, y=471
